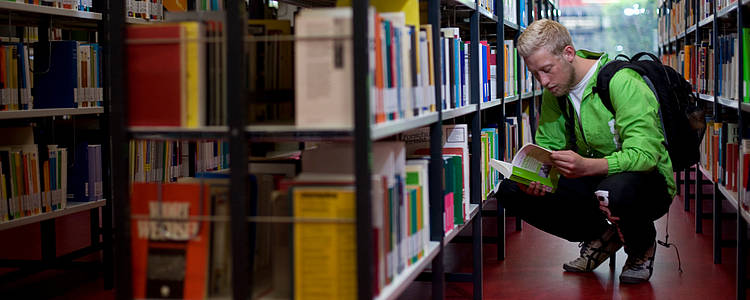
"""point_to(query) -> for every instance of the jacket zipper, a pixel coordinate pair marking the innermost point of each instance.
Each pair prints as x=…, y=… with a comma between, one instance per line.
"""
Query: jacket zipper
x=583, y=134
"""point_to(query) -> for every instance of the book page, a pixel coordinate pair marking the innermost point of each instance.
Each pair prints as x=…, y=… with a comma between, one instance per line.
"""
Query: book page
x=535, y=159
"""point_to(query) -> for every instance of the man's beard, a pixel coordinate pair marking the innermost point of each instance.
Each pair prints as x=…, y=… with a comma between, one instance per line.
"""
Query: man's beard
x=562, y=90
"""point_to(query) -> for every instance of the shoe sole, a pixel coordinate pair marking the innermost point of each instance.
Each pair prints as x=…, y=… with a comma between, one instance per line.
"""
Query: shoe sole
x=569, y=268
x=632, y=280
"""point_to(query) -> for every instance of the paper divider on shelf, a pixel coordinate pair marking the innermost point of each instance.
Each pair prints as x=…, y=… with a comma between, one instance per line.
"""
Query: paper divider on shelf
x=71, y=208
x=474, y=209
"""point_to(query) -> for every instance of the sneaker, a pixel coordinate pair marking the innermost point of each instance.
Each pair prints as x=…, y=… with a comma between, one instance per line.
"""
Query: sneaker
x=594, y=253
x=638, y=269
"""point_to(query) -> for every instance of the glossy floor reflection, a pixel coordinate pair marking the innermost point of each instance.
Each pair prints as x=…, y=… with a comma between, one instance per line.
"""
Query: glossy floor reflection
x=532, y=268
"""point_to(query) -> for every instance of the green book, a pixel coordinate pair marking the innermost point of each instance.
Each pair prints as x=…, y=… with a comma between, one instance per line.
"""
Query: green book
x=531, y=163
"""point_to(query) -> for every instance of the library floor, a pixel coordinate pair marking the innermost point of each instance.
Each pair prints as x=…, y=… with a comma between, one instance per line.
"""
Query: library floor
x=532, y=269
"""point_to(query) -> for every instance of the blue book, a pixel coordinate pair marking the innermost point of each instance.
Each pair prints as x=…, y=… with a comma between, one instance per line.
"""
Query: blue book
x=457, y=71
x=463, y=74
x=56, y=88
x=399, y=72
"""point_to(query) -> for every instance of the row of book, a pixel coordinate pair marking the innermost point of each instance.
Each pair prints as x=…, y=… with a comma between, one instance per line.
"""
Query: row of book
x=721, y=4
x=706, y=8
x=400, y=69
x=72, y=79
x=145, y=9
x=34, y=182
x=187, y=74
x=721, y=150
x=727, y=55
x=697, y=65
x=510, y=7
x=490, y=150
x=675, y=20
x=80, y=5
x=400, y=208
x=170, y=160
x=15, y=77
x=400, y=72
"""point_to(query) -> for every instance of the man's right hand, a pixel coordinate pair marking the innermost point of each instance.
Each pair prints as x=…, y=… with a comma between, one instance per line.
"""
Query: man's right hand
x=533, y=189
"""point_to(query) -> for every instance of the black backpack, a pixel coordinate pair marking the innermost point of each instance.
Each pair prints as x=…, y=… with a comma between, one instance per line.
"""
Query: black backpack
x=683, y=121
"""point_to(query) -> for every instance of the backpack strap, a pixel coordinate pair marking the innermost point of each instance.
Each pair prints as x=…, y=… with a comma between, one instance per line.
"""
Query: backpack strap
x=605, y=75
x=567, y=112
x=638, y=56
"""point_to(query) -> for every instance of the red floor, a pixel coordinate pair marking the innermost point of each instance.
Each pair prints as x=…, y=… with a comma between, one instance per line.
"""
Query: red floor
x=532, y=270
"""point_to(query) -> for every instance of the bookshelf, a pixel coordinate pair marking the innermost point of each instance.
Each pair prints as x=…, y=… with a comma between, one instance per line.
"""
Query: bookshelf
x=50, y=112
x=71, y=208
x=401, y=282
x=720, y=27
x=387, y=129
x=48, y=124
x=454, y=113
x=361, y=133
x=52, y=11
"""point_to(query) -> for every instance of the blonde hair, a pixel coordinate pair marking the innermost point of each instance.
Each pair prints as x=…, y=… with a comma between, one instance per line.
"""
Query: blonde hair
x=544, y=33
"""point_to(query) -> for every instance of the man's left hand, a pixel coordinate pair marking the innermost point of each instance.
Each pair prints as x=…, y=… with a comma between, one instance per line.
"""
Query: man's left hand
x=572, y=165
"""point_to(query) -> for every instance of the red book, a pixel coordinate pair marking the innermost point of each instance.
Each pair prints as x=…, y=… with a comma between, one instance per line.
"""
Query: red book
x=155, y=75
x=169, y=256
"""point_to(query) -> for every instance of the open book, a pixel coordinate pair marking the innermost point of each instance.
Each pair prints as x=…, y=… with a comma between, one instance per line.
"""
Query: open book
x=531, y=163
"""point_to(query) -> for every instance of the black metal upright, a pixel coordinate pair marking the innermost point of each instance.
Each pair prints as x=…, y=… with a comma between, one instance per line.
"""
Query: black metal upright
x=117, y=93
x=475, y=161
x=436, y=160
x=741, y=274
x=500, y=68
x=106, y=216
x=236, y=20
x=716, y=195
x=362, y=147
x=519, y=119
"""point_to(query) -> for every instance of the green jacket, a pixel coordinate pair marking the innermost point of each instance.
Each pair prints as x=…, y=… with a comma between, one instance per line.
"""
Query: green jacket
x=631, y=142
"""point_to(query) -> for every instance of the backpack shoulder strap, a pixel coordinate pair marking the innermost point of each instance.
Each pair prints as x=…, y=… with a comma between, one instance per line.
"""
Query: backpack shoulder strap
x=605, y=76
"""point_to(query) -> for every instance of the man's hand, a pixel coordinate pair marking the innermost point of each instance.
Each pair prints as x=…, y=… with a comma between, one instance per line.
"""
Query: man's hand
x=533, y=189
x=572, y=165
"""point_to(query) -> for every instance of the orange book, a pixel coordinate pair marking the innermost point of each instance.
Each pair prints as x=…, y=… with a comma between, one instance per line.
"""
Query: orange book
x=379, y=83
x=46, y=194
x=175, y=5
x=169, y=255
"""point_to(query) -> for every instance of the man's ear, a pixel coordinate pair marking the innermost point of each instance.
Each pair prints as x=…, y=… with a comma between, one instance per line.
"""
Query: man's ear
x=569, y=53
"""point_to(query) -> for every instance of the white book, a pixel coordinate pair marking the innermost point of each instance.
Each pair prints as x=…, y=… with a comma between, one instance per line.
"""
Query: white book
x=323, y=69
x=457, y=136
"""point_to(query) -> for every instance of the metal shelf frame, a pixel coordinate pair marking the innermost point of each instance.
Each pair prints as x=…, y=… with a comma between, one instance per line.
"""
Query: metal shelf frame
x=731, y=16
x=101, y=236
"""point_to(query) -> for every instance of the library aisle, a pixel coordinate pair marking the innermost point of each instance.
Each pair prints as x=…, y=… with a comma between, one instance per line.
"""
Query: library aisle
x=532, y=268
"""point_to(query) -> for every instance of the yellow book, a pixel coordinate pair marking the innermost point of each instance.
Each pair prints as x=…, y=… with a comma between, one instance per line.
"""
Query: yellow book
x=428, y=28
x=325, y=265
x=194, y=75
x=409, y=7
x=3, y=197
